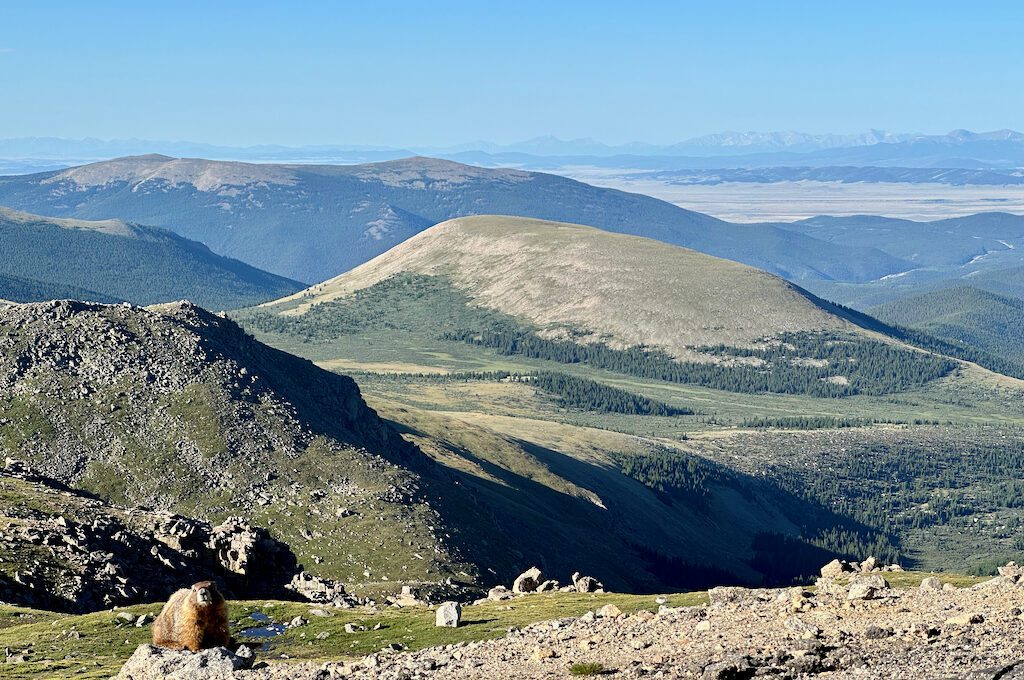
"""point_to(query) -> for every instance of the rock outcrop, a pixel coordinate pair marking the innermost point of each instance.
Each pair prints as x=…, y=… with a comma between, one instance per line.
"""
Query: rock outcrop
x=102, y=556
x=585, y=584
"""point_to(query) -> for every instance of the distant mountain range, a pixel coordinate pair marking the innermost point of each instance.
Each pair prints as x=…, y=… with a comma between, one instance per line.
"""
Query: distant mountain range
x=733, y=143
x=849, y=174
x=957, y=149
x=312, y=222
x=111, y=261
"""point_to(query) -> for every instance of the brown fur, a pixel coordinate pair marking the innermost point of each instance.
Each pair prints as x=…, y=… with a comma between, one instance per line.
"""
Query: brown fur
x=186, y=623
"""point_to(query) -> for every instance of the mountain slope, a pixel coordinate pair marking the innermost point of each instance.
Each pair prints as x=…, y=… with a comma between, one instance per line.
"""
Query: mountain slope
x=989, y=322
x=313, y=222
x=1009, y=281
x=46, y=258
x=177, y=409
x=955, y=241
x=18, y=289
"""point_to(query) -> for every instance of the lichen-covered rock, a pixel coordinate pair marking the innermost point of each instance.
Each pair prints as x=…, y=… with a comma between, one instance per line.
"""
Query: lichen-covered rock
x=866, y=587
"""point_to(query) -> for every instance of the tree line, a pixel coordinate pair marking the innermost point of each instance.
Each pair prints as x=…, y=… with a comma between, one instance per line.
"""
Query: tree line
x=841, y=366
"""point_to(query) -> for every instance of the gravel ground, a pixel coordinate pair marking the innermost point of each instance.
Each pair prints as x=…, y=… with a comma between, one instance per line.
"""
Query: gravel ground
x=974, y=634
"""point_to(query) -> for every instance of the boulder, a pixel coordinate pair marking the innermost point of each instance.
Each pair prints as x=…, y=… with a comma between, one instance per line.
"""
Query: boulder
x=609, y=611
x=547, y=586
x=835, y=569
x=585, y=584
x=498, y=593
x=870, y=564
x=723, y=595
x=874, y=632
x=866, y=587
x=448, y=615
x=155, y=663
x=730, y=669
x=528, y=581
x=1001, y=582
x=931, y=583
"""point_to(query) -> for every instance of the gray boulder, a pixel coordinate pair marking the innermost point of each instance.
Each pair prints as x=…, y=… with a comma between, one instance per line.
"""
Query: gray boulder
x=866, y=587
x=448, y=615
x=528, y=581
x=155, y=663
x=835, y=569
x=498, y=593
x=1012, y=570
x=585, y=584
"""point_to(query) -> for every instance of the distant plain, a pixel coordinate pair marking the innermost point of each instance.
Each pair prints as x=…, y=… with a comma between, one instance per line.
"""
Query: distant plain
x=788, y=201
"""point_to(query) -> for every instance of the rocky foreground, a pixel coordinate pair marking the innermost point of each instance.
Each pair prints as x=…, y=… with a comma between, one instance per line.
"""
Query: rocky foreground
x=850, y=626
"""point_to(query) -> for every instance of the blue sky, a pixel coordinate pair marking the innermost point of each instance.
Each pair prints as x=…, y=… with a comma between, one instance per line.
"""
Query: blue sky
x=426, y=73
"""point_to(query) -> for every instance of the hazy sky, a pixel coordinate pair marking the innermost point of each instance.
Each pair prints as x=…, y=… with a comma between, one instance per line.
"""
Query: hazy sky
x=424, y=73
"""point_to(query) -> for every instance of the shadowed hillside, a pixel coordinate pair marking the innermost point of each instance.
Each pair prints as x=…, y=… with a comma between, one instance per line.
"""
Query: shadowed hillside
x=107, y=261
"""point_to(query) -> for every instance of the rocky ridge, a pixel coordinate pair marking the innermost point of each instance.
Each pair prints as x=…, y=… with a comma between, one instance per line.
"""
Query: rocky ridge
x=177, y=409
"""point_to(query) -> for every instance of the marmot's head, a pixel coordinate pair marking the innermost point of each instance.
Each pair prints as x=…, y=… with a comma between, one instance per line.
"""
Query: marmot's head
x=205, y=593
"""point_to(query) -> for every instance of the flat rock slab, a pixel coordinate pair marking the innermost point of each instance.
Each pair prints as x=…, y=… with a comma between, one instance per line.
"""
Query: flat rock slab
x=156, y=663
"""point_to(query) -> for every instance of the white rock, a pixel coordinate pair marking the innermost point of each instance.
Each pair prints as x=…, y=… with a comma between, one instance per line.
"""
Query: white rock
x=448, y=615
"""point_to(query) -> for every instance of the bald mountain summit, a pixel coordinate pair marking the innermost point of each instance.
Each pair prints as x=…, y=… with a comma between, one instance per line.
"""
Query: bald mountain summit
x=312, y=222
x=574, y=294
x=110, y=261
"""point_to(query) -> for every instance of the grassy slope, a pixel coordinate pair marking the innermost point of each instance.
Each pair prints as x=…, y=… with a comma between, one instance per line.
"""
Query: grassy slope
x=989, y=419
x=567, y=480
x=104, y=643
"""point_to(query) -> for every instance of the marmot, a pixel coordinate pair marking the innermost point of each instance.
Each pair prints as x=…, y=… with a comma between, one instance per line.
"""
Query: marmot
x=194, y=618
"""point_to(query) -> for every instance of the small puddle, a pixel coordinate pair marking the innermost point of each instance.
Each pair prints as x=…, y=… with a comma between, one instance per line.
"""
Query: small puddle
x=268, y=631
